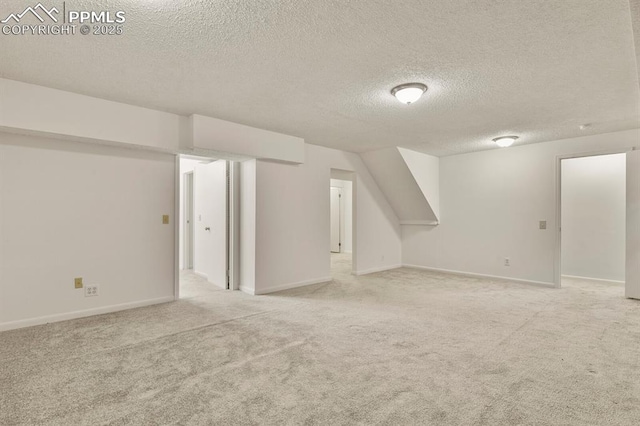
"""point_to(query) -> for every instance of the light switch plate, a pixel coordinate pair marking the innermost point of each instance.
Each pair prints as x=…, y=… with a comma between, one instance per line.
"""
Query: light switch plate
x=543, y=224
x=77, y=282
x=165, y=219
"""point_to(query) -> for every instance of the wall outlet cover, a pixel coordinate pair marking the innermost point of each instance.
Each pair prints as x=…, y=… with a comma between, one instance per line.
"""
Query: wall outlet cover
x=91, y=290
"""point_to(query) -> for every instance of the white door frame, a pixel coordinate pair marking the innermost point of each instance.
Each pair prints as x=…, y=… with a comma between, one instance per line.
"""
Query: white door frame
x=340, y=214
x=187, y=225
x=351, y=176
x=557, y=264
x=233, y=211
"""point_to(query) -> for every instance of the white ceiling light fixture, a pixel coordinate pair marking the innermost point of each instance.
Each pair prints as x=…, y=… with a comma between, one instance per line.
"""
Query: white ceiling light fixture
x=505, y=141
x=409, y=93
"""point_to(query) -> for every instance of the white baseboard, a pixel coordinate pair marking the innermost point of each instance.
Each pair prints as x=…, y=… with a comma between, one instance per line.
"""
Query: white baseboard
x=602, y=280
x=81, y=314
x=473, y=274
x=379, y=269
x=248, y=290
x=223, y=287
x=293, y=285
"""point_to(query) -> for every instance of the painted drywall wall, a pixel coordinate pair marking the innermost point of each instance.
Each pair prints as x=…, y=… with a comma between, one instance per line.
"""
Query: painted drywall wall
x=76, y=210
x=346, y=213
x=593, y=217
x=248, y=226
x=31, y=108
x=392, y=175
x=186, y=165
x=491, y=203
x=425, y=169
x=36, y=110
x=633, y=225
x=210, y=221
x=219, y=135
x=292, y=221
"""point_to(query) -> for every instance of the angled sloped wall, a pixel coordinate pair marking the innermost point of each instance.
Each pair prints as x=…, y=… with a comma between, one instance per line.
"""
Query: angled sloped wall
x=425, y=169
x=409, y=180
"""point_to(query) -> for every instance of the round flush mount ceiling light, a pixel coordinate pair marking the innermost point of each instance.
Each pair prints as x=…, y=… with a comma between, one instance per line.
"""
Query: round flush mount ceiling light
x=505, y=141
x=409, y=93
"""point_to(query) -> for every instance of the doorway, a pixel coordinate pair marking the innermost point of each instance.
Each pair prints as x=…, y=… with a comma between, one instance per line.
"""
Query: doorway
x=341, y=213
x=204, y=223
x=592, y=218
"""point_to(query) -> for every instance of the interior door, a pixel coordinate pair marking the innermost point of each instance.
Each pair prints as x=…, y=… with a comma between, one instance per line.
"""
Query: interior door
x=336, y=194
x=632, y=286
x=211, y=220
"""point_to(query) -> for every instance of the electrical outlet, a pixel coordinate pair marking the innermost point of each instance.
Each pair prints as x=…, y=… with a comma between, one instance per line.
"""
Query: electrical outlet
x=77, y=282
x=91, y=290
x=507, y=262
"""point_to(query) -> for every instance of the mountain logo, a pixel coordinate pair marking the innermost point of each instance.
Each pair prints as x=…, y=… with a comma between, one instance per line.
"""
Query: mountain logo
x=38, y=11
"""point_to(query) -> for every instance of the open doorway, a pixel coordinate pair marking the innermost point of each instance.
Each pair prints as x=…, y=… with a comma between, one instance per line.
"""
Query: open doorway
x=203, y=231
x=341, y=193
x=593, y=222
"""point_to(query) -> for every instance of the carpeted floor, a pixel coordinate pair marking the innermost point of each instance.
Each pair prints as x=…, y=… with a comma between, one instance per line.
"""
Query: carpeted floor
x=397, y=347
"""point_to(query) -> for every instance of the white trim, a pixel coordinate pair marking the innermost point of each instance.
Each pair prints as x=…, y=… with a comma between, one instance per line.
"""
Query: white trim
x=221, y=287
x=473, y=274
x=289, y=286
x=176, y=229
x=420, y=222
x=557, y=258
x=576, y=277
x=248, y=290
x=12, y=325
x=379, y=269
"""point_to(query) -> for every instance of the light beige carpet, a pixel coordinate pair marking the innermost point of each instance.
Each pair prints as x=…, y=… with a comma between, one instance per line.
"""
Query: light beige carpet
x=397, y=347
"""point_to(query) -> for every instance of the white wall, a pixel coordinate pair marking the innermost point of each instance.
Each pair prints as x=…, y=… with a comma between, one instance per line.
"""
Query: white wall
x=426, y=171
x=32, y=108
x=632, y=287
x=593, y=217
x=490, y=205
x=292, y=221
x=210, y=211
x=186, y=165
x=224, y=136
x=397, y=182
x=346, y=213
x=248, y=226
x=75, y=210
x=37, y=110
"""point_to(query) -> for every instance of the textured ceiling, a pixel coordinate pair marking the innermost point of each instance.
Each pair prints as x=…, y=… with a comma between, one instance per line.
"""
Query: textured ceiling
x=635, y=19
x=322, y=70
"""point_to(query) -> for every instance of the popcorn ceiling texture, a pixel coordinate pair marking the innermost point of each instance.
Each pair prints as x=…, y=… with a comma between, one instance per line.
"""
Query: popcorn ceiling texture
x=635, y=19
x=322, y=70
